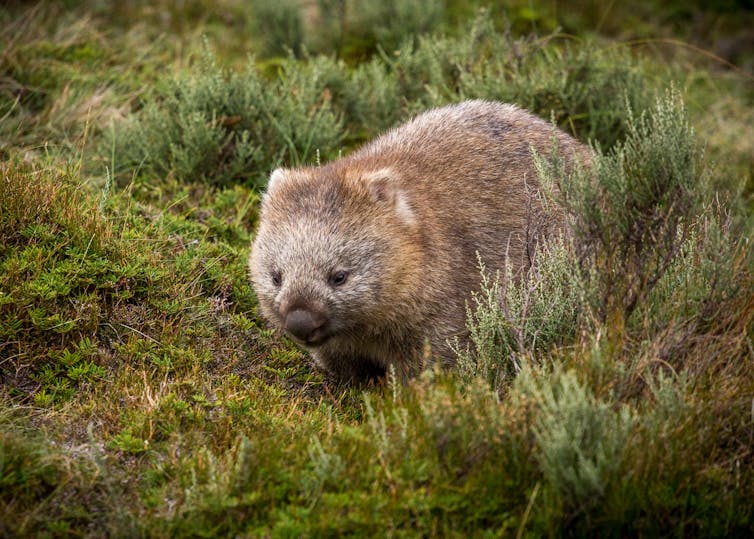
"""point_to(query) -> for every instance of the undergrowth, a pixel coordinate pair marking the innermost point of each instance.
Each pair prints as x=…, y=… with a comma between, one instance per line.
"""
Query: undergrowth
x=225, y=127
x=607, y=392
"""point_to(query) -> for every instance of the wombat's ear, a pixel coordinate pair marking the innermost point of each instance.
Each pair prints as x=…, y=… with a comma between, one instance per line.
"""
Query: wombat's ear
x=384, y=188
x=278, y=177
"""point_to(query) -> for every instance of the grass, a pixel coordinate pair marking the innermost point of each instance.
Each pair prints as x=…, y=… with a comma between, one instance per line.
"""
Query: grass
x=607, y=393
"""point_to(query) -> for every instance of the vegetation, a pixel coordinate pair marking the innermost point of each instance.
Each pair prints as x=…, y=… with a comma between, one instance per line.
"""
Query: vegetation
x=609, y=392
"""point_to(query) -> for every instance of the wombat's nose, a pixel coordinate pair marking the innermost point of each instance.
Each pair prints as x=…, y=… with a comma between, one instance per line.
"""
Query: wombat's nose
x=304, y=324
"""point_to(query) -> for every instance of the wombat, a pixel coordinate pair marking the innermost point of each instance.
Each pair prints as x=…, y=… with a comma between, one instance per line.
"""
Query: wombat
x=369, y=261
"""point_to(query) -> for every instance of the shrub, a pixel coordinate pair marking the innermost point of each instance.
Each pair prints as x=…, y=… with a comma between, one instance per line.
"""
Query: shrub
x=349, y=28
x=581, y=440
x=279, y=26
x=221, y=127
x=579, y=86
x=634, y=208
x=515, y=323
x=391, y=22
x=645, y=256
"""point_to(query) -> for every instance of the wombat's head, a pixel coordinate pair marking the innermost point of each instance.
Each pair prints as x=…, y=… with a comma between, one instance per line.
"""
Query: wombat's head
x=335, y=251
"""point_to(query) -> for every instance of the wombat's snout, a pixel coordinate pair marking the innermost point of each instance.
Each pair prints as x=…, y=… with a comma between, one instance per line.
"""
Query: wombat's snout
x=306, y=325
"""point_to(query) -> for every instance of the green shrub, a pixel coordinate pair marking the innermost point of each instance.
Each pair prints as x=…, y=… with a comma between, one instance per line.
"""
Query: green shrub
x=391, y=22
x=577, y=86
x=349, y=28
x=223, y=127
x=645, y=256
x=705, y=274
x=634, y=208
x=581, y=440
x=581, y=87
x=279, y=26
x=516, y=323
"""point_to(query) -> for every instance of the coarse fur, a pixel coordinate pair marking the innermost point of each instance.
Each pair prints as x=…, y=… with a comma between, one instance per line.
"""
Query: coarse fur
x=405, y=219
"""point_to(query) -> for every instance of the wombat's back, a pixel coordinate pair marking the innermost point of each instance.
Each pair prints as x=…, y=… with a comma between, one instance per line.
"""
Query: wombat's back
x=469, y=175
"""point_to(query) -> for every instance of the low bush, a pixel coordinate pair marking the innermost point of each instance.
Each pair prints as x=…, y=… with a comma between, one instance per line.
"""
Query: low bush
x=224, y=127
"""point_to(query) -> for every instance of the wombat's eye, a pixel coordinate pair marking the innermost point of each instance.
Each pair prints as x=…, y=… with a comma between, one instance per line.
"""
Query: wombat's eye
x=277, y=279
x=338, y=278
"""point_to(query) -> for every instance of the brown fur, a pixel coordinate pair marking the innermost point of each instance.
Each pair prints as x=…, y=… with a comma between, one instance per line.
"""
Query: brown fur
x=406, y=216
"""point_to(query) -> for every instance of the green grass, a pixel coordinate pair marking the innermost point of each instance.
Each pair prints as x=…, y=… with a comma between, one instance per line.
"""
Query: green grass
x=607, y=393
